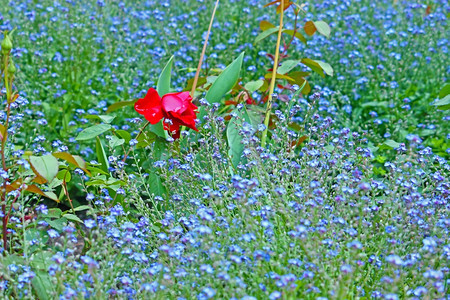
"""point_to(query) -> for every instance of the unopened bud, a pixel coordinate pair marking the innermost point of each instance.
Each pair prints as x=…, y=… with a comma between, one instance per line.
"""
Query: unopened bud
x=11, y=68
x=6, y=44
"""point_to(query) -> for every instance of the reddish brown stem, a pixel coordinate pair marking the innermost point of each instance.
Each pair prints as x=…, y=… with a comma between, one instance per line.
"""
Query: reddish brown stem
x=293, y=35
x=66, y=191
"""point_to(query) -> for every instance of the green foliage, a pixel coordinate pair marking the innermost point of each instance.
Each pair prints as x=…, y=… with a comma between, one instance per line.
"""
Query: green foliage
x=234, y=138
x=101, y=155
x=93, y=131
x=266, y=33
x=259, y=216
x=226, y=80
x=46, y=166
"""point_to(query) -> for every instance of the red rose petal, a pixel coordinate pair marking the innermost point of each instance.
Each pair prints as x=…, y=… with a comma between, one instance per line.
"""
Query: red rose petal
x=173, y=102
x=150, y=106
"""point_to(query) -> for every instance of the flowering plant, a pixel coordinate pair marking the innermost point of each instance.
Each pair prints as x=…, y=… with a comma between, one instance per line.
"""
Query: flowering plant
x=177, y=110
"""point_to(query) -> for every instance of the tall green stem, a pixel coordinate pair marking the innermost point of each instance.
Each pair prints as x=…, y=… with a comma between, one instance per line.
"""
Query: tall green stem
x=200, y=62
x=274, y=76
x=3, y=146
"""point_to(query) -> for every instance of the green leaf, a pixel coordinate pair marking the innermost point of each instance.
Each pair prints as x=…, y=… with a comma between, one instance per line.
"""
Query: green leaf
x=158, y=129
x=234, y=138
x=57, y=224
x=375, y=104
x=296, y=34
x=265, y=34
x=160, y=150
x=389, y=144
x=101, y=155
x=163, y=85
x=72, y=217
x=97, y=170
x=64, y=175
x=47, y=166
x=443, y=104
x=145, y=139
x=107, y=118
x=82, y=207
x=75, y=160
x=323, y=28
x=119, y=105
x=115, y=142
x=54, y=213
x=318, y=66
x=445, y=91
x=93, y=131
x=43, y=259
x=43, y=285
x=155, y=184
x=252, y=86
x=124, y=134
x=287, y=65
x=264, y=25
x=226, y=80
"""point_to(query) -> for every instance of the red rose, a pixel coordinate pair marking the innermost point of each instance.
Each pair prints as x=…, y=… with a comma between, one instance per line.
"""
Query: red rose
x=176, y=108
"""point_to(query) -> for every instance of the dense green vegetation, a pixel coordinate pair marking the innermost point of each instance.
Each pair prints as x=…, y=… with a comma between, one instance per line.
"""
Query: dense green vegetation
x=346, y=199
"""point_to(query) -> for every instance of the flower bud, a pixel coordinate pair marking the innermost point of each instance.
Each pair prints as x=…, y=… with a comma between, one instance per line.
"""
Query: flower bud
x=11, y=68
x=6, y=44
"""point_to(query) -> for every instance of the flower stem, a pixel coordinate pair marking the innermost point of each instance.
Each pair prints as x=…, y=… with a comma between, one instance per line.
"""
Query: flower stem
x=274, y=76
x=139, y=134
x=3, y=149
x=197, y=74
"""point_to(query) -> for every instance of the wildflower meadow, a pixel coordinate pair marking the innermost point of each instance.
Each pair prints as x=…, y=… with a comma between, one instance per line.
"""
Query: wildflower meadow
x=234, y=149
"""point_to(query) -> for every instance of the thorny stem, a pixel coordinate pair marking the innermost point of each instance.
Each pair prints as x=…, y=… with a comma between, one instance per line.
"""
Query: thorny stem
x=200, y=62
x=274, y=76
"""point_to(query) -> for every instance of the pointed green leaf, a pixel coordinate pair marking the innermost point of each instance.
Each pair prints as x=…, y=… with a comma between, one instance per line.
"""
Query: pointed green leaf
x=323, y=28
x=296, y=34
x=158, y=129
x=252, y=86
x=72, y=159
x=92, y=132
x=43, y=286
x=101, y=155
x=318, y=66
x=265, y=34
x=124, y=134
x=72, y=217
x=226, y=80
x=443, y=104
x=287, y=65
x=155, y=184
x=389, y=144
x=82, y=207
x=115, y=142
x=264, y=25
x=163, y=85
x=107, y=118
x=445, y=91
x=234, y=138
x=47, y=166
